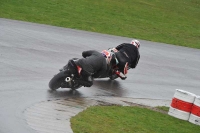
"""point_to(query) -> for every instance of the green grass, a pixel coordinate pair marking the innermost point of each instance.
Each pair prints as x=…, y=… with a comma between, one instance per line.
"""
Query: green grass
x=116, y=119
x=170, y=21
x=163, y=108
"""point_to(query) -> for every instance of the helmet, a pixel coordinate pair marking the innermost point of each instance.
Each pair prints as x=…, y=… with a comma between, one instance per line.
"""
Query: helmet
x=136, y=43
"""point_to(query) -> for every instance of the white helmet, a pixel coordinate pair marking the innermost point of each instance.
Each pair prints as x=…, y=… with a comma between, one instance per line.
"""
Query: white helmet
x=136, y=43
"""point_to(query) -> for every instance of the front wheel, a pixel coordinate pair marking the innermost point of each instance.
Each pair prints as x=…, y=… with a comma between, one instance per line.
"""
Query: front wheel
x=57, y=80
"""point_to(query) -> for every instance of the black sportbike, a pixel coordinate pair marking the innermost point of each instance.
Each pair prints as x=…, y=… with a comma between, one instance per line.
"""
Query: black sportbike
x=65, y=80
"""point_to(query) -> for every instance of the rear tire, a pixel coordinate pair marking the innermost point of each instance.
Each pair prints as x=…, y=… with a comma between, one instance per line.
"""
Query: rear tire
x=57, y=80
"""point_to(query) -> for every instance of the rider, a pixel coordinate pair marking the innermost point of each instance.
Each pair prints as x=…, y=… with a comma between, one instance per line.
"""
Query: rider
x=93, y=65
x=96, y=64
x=128, y=56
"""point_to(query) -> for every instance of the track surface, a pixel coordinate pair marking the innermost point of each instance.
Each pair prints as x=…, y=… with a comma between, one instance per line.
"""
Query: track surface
x=30, y=54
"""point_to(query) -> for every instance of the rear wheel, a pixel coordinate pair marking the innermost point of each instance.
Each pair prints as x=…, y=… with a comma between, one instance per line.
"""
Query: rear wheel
x=57, y=80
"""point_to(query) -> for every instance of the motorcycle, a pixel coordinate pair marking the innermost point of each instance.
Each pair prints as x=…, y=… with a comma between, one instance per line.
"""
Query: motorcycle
x=64, y=80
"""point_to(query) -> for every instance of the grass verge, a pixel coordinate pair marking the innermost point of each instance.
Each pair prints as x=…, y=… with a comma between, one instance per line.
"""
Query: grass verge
x=134, y=119
x=171, y=21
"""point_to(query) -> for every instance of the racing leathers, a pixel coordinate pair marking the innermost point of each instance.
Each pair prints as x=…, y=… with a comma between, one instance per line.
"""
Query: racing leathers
x=93, y=65
x=128, y=56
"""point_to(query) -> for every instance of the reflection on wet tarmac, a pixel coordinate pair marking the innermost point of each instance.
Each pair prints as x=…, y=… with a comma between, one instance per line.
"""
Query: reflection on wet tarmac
x=64, y=93
x=101, y=87
x=112, y=86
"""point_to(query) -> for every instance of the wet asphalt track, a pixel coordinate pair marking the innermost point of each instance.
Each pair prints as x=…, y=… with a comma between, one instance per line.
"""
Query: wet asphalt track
x=30, y=54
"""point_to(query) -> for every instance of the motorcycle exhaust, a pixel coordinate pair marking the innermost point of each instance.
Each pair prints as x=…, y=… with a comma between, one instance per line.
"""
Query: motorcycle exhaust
x=68, y=79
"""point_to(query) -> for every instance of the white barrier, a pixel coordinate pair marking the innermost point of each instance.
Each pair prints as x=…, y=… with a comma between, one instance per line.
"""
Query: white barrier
x=181, y=105
x=178, y=113
x=195, y=112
